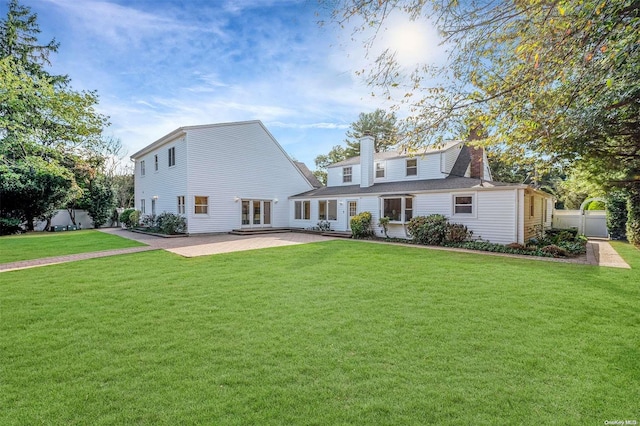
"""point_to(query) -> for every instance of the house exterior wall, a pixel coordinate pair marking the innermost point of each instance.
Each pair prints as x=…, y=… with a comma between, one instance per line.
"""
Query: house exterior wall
x=167, y=182
x=537, y=213
x=494, y=218
x=229, y=163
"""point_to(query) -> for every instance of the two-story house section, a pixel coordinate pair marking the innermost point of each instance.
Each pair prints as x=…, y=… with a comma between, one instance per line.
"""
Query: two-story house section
x=453, y=180
x=220, y=177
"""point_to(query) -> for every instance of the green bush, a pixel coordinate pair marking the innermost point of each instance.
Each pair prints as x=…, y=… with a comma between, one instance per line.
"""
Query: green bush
x=633, y=215
x=617, y=215
x=171, y=224
x=457, y=233
x=428, y=230
x=10, y=225
x=361, y=225
x=384, y=223
x=125, y=217
x=499, y=248
x=134, y=218
x=596, y=205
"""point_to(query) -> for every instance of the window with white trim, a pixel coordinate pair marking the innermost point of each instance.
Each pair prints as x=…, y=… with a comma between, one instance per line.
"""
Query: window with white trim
x=412, y=167
x=380, y=170
x=172, y=156
x=201, y=204
x=155, y=161
x=398, y=209
x=463, y=204
x=347, y=174
x=181, y=204
x=532, y=206
x=328, y=210
x=302, y=210
x=142, y=168
x=142, y=206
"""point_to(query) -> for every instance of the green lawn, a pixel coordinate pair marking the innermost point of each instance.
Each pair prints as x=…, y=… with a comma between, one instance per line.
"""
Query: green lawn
x=47, y=244
x=340, y=332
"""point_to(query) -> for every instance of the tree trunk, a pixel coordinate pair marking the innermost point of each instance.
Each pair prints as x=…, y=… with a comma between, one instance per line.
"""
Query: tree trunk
x=72, y=215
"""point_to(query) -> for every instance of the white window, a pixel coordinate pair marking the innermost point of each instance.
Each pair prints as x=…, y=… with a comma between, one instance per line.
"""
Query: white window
x=398, y=209
x=142, y=207
x=328, y=210
x=201, y=204
x=463, y=204
x=155, y=161
x=412, y=167
x=172, y=156
x=181, y=205
x=532, y=206
x=303, y=210
x=142, y=170
x=347, y=174
x=379, y=170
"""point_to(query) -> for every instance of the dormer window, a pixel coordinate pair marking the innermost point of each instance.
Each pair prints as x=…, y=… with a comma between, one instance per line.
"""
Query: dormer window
x=379, y=170
x=412, y=167
x=347, y=174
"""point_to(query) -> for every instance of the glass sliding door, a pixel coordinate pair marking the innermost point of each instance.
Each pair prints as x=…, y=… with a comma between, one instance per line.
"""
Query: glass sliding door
x=256, y=213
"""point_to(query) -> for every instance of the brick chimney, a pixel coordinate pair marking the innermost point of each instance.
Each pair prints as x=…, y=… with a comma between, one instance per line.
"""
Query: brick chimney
x=476, y=168
x=366, y=161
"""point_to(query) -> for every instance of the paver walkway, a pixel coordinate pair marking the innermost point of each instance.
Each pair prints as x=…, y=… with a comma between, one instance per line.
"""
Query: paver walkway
x=599, y=252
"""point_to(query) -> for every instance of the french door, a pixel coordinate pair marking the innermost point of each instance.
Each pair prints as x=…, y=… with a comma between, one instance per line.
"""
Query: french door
x=256, y=213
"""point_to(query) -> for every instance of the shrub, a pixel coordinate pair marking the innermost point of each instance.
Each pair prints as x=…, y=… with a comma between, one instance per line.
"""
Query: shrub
x=517, y=246
x=429, y=230
x=633, y=215
x=596, y=205
x=10, y=225
x=554, y=250
x=457, y=233
x=361, y=225
x=170, y=223
x=324, y=225
x=134, y=218
x=125, y=217
x=499, y=248
x=617, y=215
x=384, y=223
x=149, y=221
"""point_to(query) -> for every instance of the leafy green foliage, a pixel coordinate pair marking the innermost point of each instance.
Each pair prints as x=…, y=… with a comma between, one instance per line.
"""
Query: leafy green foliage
x=361, y=225
x=10, y=225
x=125, y=217
x=99, y=201
x=171, y=224
x=633, y=216
x=384, y=223
x=430, y=230
x=379, y=124
x=617, y=215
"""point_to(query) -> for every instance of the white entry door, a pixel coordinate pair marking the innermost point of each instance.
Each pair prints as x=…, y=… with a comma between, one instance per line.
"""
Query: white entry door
x=352, y=210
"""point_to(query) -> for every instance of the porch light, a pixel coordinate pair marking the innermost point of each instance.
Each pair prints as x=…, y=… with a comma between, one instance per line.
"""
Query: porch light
x=155, y=197
x=275, y=201
x=236, y=199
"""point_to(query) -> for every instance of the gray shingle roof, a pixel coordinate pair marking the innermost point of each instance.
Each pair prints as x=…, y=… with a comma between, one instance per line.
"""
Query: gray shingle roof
x=405, y=187
x=313, y=180
x=387, y=155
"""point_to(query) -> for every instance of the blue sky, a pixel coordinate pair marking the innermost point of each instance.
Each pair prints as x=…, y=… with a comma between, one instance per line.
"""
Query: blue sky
x=161, y=64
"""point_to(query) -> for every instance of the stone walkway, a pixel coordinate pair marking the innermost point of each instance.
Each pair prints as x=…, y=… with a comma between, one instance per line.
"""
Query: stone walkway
x=599, y=252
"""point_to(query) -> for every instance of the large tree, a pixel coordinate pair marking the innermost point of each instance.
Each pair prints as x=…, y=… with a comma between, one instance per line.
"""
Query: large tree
x=556, y=79
x=379, y=124
x=43, y=123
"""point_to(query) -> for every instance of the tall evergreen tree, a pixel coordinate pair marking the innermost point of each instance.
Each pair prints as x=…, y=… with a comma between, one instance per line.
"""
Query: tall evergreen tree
x=379, y=124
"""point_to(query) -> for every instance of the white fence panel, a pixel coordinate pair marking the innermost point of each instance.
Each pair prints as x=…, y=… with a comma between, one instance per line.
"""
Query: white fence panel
x=593, y=223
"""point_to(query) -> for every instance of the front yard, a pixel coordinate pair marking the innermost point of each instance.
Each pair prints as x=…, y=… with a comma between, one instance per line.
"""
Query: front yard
x=339, y=332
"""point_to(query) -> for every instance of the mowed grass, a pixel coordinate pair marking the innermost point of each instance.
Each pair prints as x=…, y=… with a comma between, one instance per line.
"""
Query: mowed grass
x=340, y=332
x=48, y=244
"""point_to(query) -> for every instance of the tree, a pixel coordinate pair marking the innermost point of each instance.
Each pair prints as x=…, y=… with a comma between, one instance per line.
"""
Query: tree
x=379, y=124
x=335, y=155
x=98, y=200
x=558, y=80
x=44, y=125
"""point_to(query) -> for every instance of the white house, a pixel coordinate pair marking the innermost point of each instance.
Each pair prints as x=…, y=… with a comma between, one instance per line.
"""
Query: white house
x=220, y=177
x=230, y=176
x=453, y=180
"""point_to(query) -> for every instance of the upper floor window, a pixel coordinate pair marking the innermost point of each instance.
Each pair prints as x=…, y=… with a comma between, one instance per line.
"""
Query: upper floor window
x=347, y=173
x=181, y=204
x=142, y=169
x=463, y=204
x=303, y=210
x=201, y=205
x=398, y=209
x=328, y=210
x=412, y=167
x=379, y=170
x=172, y=156
x=155, y=161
